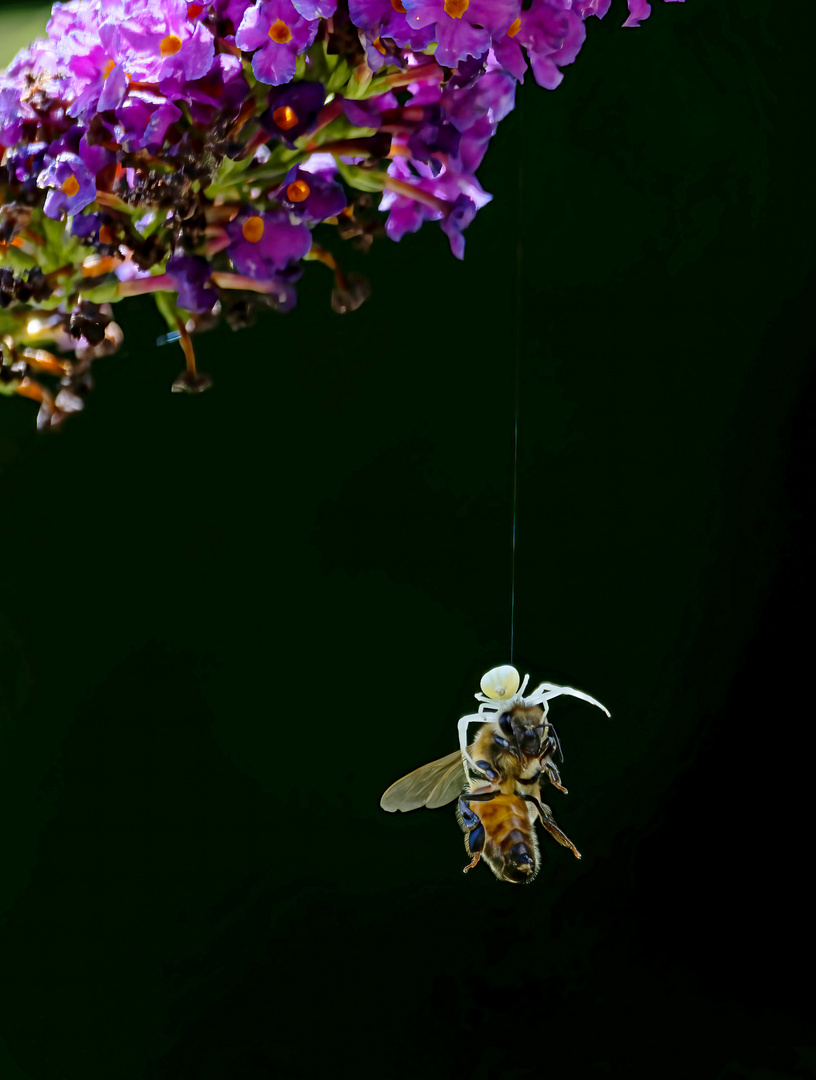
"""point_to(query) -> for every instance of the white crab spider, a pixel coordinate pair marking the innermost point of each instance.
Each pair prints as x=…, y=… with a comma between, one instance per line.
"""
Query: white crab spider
x=501, y=691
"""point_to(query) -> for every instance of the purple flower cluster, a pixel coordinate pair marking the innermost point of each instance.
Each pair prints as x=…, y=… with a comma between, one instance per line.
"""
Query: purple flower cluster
x=203, y=150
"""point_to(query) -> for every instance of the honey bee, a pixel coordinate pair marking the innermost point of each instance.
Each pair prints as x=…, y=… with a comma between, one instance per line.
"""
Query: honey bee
x=513, y=751
x=500, y=828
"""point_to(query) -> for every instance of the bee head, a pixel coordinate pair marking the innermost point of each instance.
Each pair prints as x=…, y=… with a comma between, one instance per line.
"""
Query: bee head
x=523, y=731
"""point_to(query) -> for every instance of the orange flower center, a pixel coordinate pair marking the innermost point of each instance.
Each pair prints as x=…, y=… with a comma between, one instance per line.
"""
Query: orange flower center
x=108, y=68
x=194, y=10
x=170, y=45
x=456, y=8
x=285, y=117
x=105, y=234
x=378, y=45
x=297, y=191
x=514, y=28
x=253, y=229
x=70, y=186
x=397, y=5
x=280, y=32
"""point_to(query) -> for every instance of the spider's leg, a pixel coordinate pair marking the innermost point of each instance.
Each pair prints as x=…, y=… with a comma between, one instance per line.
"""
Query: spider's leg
x=553, y=690
x=473, y=718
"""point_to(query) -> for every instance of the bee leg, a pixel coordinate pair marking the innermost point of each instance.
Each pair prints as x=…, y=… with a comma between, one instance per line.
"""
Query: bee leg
x=469, y=819
x=474, y=842
x=553, y=775
x=548, y=821
x=474, y=833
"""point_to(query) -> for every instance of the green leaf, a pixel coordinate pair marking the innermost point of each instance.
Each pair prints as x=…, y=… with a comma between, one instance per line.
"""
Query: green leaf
x=361, y=179
x=60, y=248
x=341, y=128
x=17, y=260
x=104, y=293
x=357, y=87
x=339, y=77
x=230, y=173
x=373, y=87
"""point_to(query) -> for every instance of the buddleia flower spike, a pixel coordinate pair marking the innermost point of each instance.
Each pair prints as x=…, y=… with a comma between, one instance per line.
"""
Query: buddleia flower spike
x=502, y=689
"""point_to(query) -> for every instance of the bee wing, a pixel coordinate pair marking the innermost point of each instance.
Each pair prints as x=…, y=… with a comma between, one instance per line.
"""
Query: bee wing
x=431, y=785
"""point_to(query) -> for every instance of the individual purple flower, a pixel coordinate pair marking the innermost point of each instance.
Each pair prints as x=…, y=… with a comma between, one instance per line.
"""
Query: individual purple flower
x=293, y=110
x=263, y=244
x=473, y=144
x=468, y=72
x=450, y=197
x=463, y=27
x=407, y=214
x=433, y=135
x=11, y=118
x=97, y=158
x=223, y=87
x=190, y=275
x=101, y=82
x=551, y=33
x=25, y=163
x=143, y=120
x=158, y=41
x=186, y=58
x=95, y=228
x=368, y=112
x=379, y=53
x=459, y=217
x=492, y=96
x=640, y=9
x=279, y=34
x=585, y=8
x=315, y=9
x=389, y=19
x=234, y=10
x=310, y=196
x=73, y=185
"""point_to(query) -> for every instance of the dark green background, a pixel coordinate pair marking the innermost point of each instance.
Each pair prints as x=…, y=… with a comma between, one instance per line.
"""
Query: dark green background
x=229, y=622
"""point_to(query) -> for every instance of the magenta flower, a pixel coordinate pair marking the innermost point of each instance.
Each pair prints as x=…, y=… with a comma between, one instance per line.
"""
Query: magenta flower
x=585, y=8
x=279, y=34
x=190, y=276
x=315, y=9
x=311, y=197
x=293, y=110
x=72, y=184
x=265, y=244
x=453, y=199
x=234, y=10
x=390, y=20
x=551, y=34
x=463, y=27
x=157, y=41
x=143, y=120
x=640, y=9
